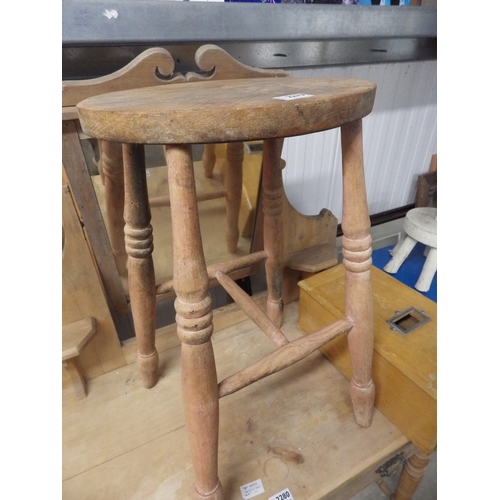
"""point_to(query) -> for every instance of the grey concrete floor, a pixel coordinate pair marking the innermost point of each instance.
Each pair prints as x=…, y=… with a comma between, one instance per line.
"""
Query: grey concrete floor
x=427, y=489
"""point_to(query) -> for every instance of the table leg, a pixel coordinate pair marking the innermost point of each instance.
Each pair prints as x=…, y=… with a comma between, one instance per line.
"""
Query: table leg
x=411, y=475
x=139, y=245
x=194, y=324
x=208, y=159
x=357, y=251
x=272, y=207
x=111, y=168
x=233, y=184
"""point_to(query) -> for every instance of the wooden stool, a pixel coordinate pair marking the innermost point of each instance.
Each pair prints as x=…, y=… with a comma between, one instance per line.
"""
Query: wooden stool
x=231, y=111
x=420, y=225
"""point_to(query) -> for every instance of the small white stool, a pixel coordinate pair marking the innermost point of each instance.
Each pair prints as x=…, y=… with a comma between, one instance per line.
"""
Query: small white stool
x=420, y=225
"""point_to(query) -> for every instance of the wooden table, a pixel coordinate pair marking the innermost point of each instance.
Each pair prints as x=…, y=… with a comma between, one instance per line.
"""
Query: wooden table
x=294, y=429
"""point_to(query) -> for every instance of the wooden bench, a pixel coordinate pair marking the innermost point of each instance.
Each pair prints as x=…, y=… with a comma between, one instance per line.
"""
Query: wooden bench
x=75, y=336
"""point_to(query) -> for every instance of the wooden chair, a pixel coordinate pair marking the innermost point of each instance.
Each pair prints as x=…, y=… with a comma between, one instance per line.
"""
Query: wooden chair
x=155, y=67
x=231, y=111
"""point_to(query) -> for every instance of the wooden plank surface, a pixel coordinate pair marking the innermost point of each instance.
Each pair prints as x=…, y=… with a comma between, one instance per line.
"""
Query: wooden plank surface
x=75, y=336
x=294, y=429
x=81, y=186
x=83, y=296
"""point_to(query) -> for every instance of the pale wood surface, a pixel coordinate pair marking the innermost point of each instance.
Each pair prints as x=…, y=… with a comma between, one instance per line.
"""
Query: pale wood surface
x=77, y=379
x=236, y=110
x=313, y=260
x=272, y=207
x=225, y=111
x=83, y=296
x=411, y=475
x=212, y=217
x=81, y=185
x=141, y=72
x=219, y=65
x=357, y=250
x=75, y=337
x=139, y=247
x=194, y=324
x=122, y=442
x=404, y=367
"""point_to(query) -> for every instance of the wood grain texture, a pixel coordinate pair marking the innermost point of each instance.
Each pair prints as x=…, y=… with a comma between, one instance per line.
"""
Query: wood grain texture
x=233, y=180
x=219, y=65
x=253, y=311
x=111, y=170
x=88, y=206
x=83, y=296
x=72, y=368
x=76, y=335
x=194, y=324
x=300, y=233
x=235, y=110
x=139, y=247
x=154, y=66
x=412, y=474
x=357, y=250
x=272, y=208
x=404, y=367
x=122, y=442
x=212, y=214
x=283, y=357
x=225, y=111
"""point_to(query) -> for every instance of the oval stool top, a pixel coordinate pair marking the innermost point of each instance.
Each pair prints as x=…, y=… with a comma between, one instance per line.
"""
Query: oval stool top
x=226, y=110
x=421, y=225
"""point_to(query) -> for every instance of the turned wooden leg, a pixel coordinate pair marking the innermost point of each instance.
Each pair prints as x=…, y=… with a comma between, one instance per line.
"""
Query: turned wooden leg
x=357, y=251
x=208, y=159
x=272, y=207
x=141, y=276
x=233, y=183
x=111, y=169
x=194, y=324
x=411, y=475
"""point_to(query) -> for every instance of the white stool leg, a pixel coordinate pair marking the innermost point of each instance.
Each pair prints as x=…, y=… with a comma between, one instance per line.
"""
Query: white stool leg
x=398, y=244
x=400, y=255
x=428, y=271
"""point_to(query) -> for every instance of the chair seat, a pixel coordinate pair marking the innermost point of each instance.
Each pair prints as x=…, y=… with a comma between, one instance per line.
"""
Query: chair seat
x=225, y=111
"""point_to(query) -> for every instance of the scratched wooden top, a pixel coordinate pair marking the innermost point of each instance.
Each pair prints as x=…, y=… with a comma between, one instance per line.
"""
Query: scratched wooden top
x=226, y=110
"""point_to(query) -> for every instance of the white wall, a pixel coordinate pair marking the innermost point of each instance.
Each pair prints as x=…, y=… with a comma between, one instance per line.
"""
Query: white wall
x=399, y=140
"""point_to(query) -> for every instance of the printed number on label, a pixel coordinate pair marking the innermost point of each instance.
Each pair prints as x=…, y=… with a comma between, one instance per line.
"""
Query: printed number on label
x=282, y=495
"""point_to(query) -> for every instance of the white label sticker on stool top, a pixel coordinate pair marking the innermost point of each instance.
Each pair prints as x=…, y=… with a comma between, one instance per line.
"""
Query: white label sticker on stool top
x=293, y=96
x=252, y=489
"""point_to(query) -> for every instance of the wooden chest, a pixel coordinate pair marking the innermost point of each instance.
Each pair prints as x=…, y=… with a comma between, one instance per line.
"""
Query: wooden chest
x=404, y=366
